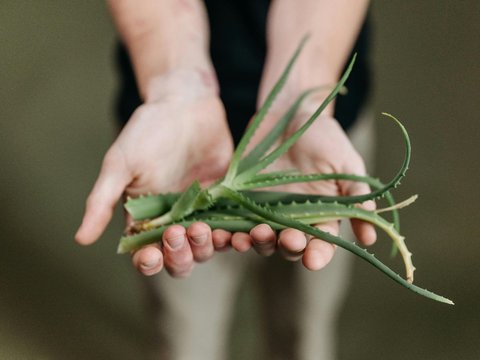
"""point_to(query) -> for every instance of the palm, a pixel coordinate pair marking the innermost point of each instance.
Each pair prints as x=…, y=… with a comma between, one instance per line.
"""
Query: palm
x=324, y=148
x=171, y=154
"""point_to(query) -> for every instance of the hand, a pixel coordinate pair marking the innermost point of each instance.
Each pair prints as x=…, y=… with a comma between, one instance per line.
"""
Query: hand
x=324, y=148
x=180, y=134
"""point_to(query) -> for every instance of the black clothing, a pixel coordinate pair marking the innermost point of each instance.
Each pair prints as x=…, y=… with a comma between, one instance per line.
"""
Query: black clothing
x=238, y=50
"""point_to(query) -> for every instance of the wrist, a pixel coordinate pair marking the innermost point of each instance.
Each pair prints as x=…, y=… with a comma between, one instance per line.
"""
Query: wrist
x=183, y=84
x=162, y=37
x=153, y=60
x=332, y=26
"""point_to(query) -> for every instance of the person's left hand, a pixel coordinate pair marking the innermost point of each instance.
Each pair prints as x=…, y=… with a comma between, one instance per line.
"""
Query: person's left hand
x=324, y=148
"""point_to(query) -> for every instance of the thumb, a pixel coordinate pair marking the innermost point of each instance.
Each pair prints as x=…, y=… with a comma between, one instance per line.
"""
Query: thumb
x=109, y=187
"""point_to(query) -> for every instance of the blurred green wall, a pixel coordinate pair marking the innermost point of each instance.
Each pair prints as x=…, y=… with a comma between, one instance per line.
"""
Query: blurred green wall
x=61, y=301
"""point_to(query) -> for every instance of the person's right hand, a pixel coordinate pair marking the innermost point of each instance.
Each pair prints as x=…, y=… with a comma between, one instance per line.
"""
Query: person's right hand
x=180, y=134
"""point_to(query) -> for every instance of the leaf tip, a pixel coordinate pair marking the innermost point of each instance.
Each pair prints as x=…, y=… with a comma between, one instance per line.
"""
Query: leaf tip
x=121, y=249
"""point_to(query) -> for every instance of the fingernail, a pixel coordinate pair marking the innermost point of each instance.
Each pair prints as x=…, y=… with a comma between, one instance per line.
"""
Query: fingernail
x=176, y=242
x=200, y=239
x=148, y=264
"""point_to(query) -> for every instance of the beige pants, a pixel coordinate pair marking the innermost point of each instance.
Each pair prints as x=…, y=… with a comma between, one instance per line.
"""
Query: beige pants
x=301, y=307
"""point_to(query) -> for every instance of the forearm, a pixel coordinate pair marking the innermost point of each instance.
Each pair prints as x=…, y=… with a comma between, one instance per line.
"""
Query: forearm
x=163, y=36
x=333, y=26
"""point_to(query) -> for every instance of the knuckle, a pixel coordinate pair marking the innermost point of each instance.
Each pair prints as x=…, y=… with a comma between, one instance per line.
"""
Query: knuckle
x=180, y=272
x=111, y=158
x=263, y=242
x=203, y=255
x=179, y=262
x=143, y=111
x=291, y=255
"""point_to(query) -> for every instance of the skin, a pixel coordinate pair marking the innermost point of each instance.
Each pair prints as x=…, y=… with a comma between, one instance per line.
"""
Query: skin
x=180, y=132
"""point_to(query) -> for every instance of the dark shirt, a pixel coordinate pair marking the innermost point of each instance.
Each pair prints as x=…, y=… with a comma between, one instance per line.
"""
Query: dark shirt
x=238, y=51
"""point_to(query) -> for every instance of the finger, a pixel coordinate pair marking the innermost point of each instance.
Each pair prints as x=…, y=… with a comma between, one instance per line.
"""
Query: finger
x=178, y=257
x=112, y=181
x=292, y=243
x=319, y=253
x=264, y=239
x=200, y=238
x=364, y=231
x=221, y=239
x=242, y=242
x=148, y=260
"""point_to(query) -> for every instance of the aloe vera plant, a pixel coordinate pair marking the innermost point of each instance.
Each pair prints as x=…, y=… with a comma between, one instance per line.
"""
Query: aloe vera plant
x=230, y=203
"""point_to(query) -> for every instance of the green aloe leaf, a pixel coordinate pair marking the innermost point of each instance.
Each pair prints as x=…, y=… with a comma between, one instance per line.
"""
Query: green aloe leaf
x=262, y=147
x=192, y=199
x=260, y=115
x=148, y=206
x=352, y=247
x=282, y=148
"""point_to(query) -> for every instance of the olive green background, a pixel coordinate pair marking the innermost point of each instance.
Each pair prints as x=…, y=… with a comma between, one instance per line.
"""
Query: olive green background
x=62, y=301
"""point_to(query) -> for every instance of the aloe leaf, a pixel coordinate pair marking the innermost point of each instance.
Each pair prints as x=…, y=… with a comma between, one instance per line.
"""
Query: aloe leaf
x=314, y=212
x=151, y=206
x=343, y=212
x=282, y=148
x=272, y=179
x=274, y=134
x=267, y=176
x=184, y=203
x=402, y=204
x=192, y=199
x=318, y=212
x=148, y=206
x=246, y=180
x=352, y=247
x=262, y=147
x=260, y=115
